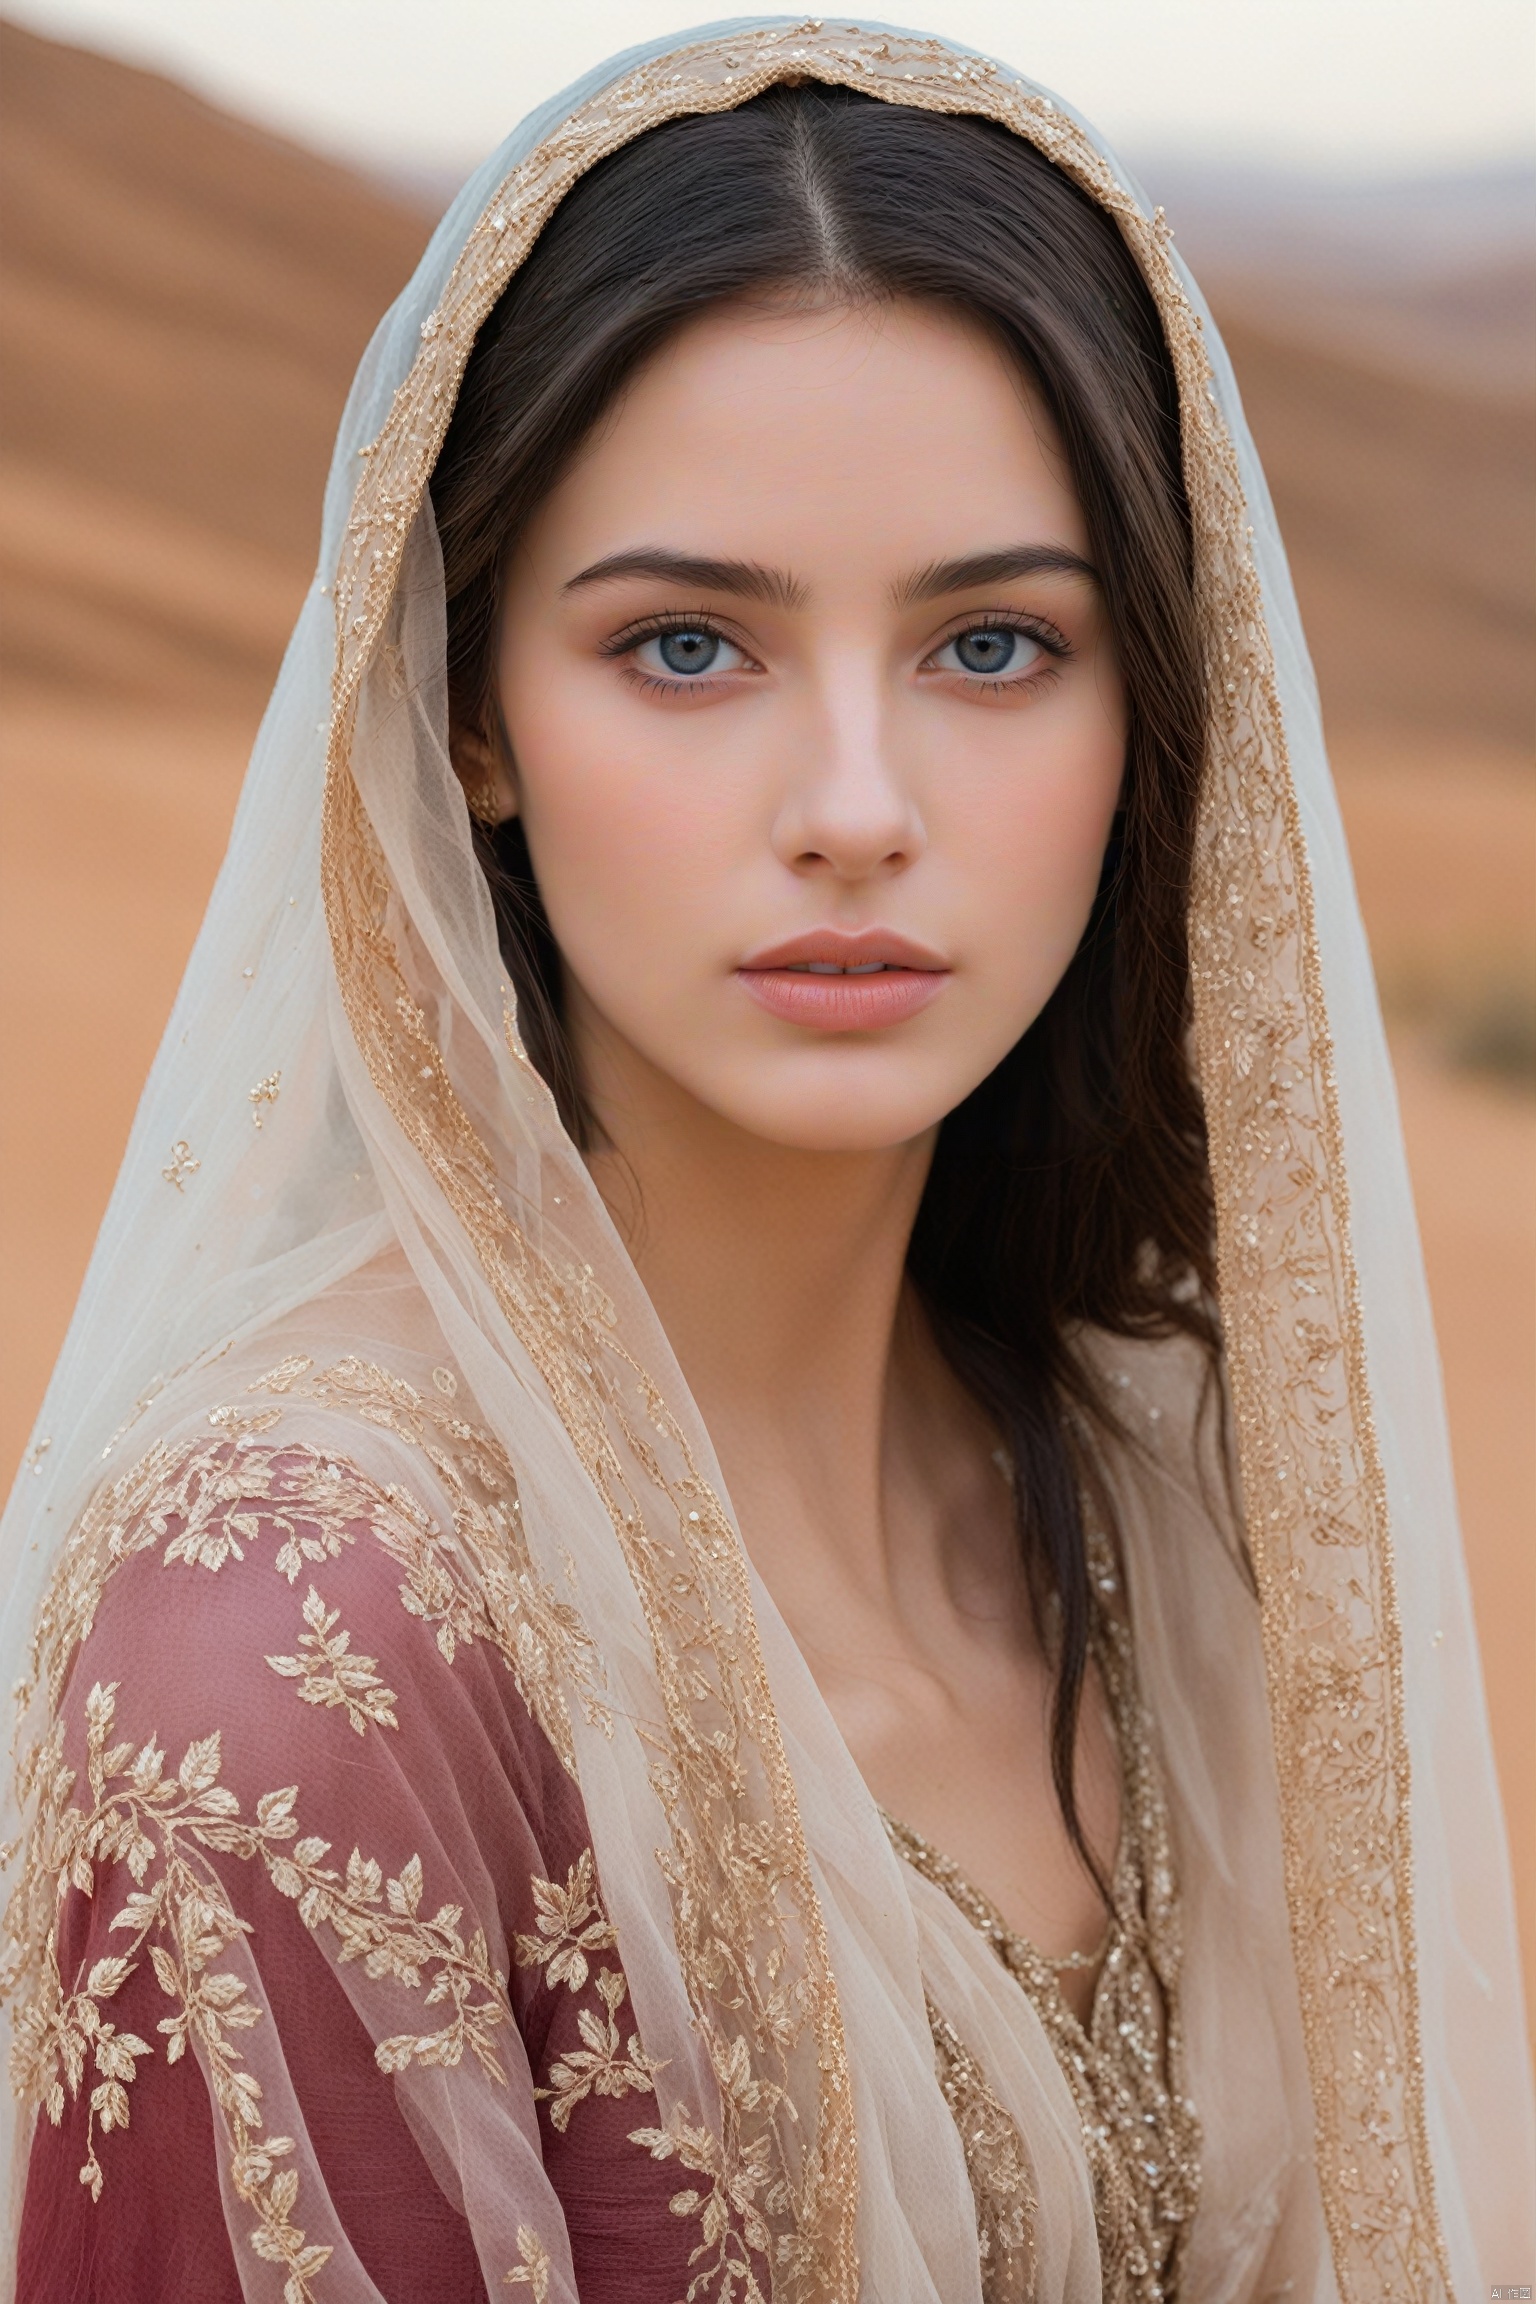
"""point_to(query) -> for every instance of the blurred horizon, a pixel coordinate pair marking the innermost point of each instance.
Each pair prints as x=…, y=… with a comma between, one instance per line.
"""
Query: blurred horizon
x=1351, y=88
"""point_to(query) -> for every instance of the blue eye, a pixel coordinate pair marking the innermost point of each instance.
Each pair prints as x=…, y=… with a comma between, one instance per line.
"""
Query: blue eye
x=985, y=651
x=686, y=653
x=988, y=651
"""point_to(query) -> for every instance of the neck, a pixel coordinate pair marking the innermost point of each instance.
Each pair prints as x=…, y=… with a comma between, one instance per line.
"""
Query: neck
x=777, y=1274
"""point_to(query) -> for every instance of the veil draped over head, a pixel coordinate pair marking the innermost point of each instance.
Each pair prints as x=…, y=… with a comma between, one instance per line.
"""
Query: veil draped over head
x=353, y=1255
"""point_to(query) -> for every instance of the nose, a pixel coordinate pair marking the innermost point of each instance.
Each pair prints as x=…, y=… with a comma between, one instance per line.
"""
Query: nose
x=849, y=813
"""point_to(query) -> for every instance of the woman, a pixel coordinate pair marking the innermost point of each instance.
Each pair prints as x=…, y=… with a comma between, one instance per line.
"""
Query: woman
x=801, y=708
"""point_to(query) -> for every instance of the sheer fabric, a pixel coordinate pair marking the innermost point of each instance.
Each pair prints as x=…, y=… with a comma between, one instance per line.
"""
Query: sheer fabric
x=352, y=1254
x=426, y=1835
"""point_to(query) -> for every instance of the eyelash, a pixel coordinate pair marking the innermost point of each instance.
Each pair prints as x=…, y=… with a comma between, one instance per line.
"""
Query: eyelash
x=1044, y=634
x=634, y=636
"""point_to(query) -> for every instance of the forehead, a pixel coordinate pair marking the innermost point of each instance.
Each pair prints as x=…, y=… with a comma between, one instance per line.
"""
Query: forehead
x=899, y=428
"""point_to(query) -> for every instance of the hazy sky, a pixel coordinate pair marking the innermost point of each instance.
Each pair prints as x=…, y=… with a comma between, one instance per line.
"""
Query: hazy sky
x=1341, y=84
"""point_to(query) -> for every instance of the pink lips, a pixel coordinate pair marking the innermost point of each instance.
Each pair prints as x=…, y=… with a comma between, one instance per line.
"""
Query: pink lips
x=835, y=980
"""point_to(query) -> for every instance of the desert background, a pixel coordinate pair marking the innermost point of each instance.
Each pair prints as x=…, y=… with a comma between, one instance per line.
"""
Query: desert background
x=183, y=297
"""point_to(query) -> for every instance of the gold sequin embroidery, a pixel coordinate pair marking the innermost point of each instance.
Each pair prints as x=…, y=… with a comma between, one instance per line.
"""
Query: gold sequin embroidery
x=605, y=2064
x=264, y=1093
x=207, y=1501
x=474, y=1577
x=182, y=1164
x=997, y=2165
x=571, y=1926
x=1141, y=2134
x=234, y=1498
x=737, y=2193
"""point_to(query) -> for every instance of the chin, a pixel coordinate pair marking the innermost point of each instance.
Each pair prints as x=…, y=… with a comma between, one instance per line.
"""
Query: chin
x=848, y=1114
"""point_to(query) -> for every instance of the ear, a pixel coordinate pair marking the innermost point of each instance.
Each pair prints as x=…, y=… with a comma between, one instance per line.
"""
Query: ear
x=485, y=768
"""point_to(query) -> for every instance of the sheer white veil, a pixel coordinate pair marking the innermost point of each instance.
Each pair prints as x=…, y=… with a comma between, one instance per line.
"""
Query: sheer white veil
x=341, y=1084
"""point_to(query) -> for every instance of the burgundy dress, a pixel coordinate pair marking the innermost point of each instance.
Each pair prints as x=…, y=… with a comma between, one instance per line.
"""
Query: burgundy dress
x=221, y=1685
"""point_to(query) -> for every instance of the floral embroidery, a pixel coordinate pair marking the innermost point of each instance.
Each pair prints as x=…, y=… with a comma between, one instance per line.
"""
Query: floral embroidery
x=476, y=1579
x=156, y=1823
x=740, y=2192
x=571, y=1923
x=203, y=1504
x=534, y=2270
x=398, y=1942
x=607, y=2065
x=211, y=1500
x=331, y=1676
x=206, y=1500
x=180, y=1910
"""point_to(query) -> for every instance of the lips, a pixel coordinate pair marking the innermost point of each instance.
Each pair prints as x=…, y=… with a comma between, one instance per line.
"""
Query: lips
x=837, y=980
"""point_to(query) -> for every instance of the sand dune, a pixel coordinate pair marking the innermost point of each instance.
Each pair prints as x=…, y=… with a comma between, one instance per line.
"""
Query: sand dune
x=185, y=298
x=1407, y=512
x=113, y=593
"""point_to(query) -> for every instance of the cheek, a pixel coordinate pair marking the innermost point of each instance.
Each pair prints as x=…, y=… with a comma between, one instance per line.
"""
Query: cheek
x=1032, y=872
x=1024, y=847
x=637, y=848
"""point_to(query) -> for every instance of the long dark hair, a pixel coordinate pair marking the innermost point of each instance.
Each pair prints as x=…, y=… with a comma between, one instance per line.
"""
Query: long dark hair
x=1071, y=1187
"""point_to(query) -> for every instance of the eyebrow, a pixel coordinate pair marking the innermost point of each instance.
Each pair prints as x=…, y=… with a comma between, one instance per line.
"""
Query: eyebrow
x=750, y=580
x=999, y=567
x=746, y=578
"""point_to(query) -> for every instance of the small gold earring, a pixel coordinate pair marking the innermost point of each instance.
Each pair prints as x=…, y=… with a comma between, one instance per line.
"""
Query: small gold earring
x=484, y=803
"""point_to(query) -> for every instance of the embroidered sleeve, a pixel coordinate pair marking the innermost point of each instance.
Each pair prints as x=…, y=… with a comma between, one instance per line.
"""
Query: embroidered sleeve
x=592, y=2061
x=302, y=1844
x=234, y=1810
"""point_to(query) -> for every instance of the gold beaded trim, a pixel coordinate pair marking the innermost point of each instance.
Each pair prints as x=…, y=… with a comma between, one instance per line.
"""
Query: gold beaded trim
x=1125, y=2067
x=997, y=2164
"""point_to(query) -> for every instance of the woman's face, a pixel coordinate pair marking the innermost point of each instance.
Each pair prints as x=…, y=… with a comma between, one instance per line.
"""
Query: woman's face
x=816, y=724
